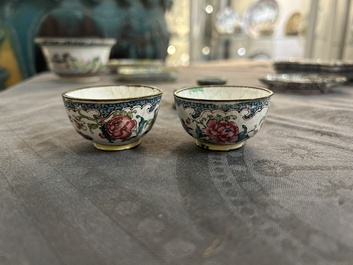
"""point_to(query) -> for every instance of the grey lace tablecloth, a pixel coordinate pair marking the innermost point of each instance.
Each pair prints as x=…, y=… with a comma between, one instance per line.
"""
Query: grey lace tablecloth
x=284, y=198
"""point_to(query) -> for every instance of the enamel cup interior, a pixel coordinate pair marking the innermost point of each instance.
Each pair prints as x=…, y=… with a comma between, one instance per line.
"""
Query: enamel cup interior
x=224, y=93
x=113, y=92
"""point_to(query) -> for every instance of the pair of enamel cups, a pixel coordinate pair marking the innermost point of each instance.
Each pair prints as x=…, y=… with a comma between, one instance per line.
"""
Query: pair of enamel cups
x=116, y=117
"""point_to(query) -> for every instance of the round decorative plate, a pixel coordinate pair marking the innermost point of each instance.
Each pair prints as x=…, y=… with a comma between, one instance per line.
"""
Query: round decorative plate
x=261, y=18
x=303, y=83
x=228, y=21
x=294, y=24
x=344, y=68
x=295, y=65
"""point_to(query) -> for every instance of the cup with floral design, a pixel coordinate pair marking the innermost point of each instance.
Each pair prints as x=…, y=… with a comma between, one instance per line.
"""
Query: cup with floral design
x=113, y=117
x=222, y=117
x=76, y=59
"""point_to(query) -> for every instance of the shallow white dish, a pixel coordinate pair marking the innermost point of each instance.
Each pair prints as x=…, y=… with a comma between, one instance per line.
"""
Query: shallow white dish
x=310, y=83
x=114, y=65
x=147, y=74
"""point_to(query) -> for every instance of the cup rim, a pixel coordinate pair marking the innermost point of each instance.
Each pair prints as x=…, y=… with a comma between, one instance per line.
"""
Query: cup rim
x=107, y=100
x=86, y=41
x=223, y=100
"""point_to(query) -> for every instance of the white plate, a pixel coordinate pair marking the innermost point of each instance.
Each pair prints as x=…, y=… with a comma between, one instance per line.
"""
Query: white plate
x=115, y=64
x=261, y=18
x=303, y=83
x=301, y=65
x=228, y=21
x=147, y=74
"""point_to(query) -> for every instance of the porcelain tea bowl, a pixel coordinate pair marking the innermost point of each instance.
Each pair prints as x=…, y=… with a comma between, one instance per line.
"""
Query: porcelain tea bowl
x=76, y=59
x=222, y=118
x=113, y=117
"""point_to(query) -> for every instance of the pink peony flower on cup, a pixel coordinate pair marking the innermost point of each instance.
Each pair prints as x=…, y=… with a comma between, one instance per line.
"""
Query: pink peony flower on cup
x=222, y=131
x=120, y=127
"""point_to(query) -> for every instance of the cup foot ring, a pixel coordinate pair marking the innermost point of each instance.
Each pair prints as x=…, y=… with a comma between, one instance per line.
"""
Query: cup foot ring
x=218, y=147
x=106, y=147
